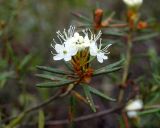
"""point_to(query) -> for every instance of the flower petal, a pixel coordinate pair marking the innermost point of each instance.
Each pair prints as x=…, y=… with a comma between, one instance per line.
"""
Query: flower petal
x=100, y=59
x=132, y=114
x=67, y=57
x=58, y=57
x=59, y=48
x=93, y=49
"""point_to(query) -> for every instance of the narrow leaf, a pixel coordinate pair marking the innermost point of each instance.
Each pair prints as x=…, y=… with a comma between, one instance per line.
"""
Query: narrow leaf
x=114, y=33
x=41, y=119
x=96, y=73
x=89, y=97
x=6, y=75
x=97, y=92
x=109, y=68
x=52, y=70
x=146, y=112
x=81, y=17
x=79, y=97
x=72, y=111
x=16, y=121
x=146, y=37
x=25, y=61
x=51, y=77
x=53, y=84
x=118, y=63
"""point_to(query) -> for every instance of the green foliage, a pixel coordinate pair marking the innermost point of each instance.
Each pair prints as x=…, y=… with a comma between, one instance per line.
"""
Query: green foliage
x=52, y=70
x=54, y=84
x=89, y=97
x=109, y=68
x=100, y=94
x=26, y=31
x=41, y=119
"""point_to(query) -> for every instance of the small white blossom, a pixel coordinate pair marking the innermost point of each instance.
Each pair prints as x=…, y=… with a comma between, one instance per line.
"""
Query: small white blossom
x=132, y=114
x=101, y=54
x=79, y=41
x=72, y=42
x=63, y=52
x=133, y=3
x=133, y=107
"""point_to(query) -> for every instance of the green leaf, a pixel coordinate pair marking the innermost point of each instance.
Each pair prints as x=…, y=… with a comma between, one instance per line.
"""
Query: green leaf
x=114, y=33
x=41, y=119
x=146, y=37
x=115, y=64
x=97, y=92
x=81, y=17
x=2, y=83
x=89, y=97
x=11, y=52
x=109, y=68
x=106, y=71
x=53, y=84
x=121, y=122
x=6, y=75
x=25, y=61
x=51, y=77
x=72, y=111
x=16, y=121
x=146, y=112
x=156, y=78
x=53, y=70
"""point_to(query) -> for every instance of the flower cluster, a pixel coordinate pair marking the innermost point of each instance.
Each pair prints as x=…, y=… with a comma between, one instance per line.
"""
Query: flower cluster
x=133, y=3
x=133, y=107
x=72, y=42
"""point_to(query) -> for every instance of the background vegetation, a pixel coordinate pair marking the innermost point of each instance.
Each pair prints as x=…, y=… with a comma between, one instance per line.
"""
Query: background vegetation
x=27, y=28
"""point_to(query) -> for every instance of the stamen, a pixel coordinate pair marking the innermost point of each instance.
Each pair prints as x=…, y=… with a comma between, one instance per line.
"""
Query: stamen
x=98, y=36
x=92, y=35
x=54, y=41
x=65, y=33
x=61, y=35
x=60, y=39
x=100, y=43
x=52, y=46
x=53, y=53
x=105, y=49
x=71, y=31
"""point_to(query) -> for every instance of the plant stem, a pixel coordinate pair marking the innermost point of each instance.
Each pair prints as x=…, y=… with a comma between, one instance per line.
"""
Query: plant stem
x=83, y=118
x=125, y=119
x=126, y=67
x=72, y=111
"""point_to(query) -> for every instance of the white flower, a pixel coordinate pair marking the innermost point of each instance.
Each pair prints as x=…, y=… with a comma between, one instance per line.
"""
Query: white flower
x=66, y=36
x=79, y=42
x=72, y=42
x=63, y=52
x=133, y=3
x=98, y=52
x=133, y=107
x=68, y=39
x=132, y=114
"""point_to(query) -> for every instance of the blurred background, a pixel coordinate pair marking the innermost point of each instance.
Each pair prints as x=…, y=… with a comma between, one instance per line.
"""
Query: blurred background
x=27, y=28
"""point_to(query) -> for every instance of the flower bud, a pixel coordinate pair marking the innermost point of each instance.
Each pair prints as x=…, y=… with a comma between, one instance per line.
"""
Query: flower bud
x=133, y=3
x=133, y=107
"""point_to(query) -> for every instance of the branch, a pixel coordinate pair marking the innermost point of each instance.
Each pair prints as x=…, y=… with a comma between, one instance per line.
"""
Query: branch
x=57, y=95
x=83, y=118
x=18, y=118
